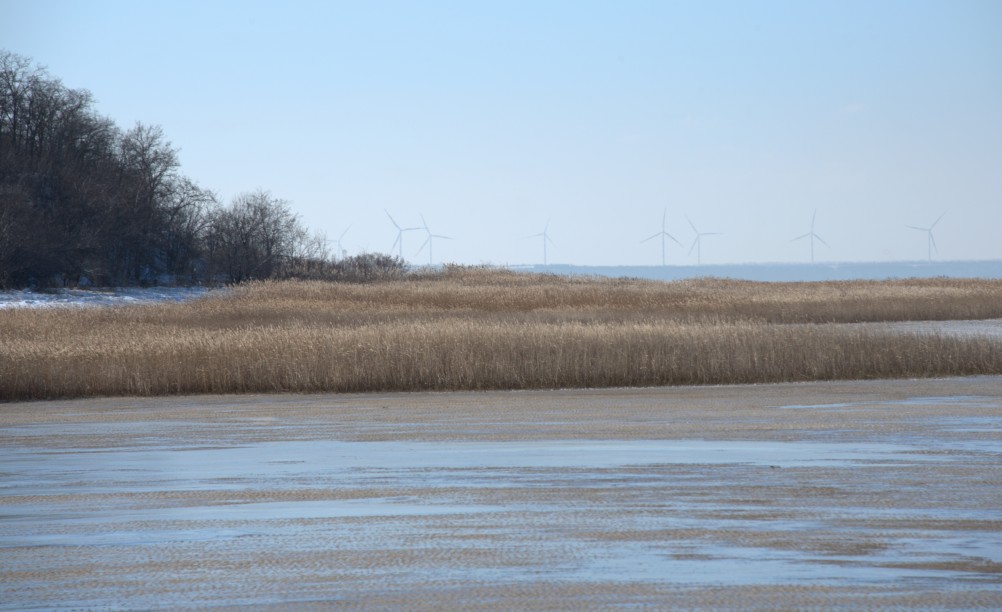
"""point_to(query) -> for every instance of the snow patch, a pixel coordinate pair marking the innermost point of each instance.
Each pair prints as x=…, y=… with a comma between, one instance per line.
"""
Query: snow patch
x=77, y=298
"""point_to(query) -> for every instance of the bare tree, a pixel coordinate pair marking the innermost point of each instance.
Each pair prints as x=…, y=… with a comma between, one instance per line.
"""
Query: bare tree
x=17, y=76
x=184, y=222
x=257, y=236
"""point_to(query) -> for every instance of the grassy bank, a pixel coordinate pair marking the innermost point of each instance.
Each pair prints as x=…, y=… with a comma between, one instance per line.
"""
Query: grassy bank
x=489, y=329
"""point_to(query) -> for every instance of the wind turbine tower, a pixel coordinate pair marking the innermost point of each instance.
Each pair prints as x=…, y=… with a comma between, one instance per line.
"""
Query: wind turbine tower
x=664, y=234
x=931, y=242
x=546, y=238
x=697, y=243
x=429, y=241
x=812, y=236
x=400, y=234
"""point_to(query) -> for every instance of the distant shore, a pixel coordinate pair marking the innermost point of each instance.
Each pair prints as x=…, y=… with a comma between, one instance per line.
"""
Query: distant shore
x=788, y=272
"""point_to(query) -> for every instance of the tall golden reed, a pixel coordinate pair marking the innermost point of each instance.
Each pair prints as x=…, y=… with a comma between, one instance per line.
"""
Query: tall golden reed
x=471, y=328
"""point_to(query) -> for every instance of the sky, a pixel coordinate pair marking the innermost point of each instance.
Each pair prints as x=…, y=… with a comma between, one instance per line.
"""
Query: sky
x=592, y=120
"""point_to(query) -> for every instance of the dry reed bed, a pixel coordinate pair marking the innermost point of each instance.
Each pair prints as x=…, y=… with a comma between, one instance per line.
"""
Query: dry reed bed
x=483, y=329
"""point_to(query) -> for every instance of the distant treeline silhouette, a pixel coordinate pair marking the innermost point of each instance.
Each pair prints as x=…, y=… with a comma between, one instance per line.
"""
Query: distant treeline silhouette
x=84, y=201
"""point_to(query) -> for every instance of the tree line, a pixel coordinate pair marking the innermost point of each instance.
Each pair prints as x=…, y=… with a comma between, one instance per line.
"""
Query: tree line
x=84, y=201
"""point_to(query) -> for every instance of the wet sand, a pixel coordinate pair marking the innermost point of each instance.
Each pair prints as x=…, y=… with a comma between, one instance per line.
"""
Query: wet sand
x=863, y=494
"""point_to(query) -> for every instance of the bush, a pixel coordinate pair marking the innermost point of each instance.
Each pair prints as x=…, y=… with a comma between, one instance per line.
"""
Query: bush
x=368, y=267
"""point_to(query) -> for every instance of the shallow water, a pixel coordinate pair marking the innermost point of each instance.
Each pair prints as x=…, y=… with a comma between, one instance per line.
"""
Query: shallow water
x=845, y=494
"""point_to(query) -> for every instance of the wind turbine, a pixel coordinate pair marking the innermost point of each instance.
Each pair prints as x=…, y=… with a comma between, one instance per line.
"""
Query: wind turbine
x=400, y=233
x=697, y=243
x=428, y=240
x=664, y=234
x=812, y=236
x=931, y=241
x=546, y=238
x=341, y=251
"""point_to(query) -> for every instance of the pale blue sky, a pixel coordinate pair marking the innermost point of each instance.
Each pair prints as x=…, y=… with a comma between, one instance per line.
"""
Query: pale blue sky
x=491, y=118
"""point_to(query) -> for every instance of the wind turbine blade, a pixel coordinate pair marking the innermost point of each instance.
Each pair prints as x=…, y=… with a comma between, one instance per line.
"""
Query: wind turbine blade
x=822, y=241
x=933, y=242
x=651, y=238
x=937, y=221
x=691, y=225
x=423, y=245
x=693, y=247
x=676, y=241
x=343, y=233
x=921, y=229
x=548, y=239
x=395, y=242
x=441, y=236
x=801, y=237
x=425, y=223
x=391, y=219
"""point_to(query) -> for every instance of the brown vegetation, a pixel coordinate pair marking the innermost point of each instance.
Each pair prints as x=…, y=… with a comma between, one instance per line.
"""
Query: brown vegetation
x=471, y=328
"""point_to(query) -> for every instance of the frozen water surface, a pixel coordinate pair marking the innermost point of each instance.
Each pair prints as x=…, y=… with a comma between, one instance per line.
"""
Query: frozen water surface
x=863, y=495
x=334, y=463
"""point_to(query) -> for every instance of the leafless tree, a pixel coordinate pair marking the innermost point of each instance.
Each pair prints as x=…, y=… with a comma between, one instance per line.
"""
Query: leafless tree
x=257, y=236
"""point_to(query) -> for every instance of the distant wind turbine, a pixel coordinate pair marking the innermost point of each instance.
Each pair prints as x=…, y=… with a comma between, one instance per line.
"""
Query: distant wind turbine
x=697, y=243
x=931, y=242
x=400, y=233
x=664, y=234
x=428, y=241
x=546, y=238
x=341, y=251
x=812, y=236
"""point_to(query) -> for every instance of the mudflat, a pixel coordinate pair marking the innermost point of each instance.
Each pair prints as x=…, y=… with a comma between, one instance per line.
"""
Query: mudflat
x=863, y=494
